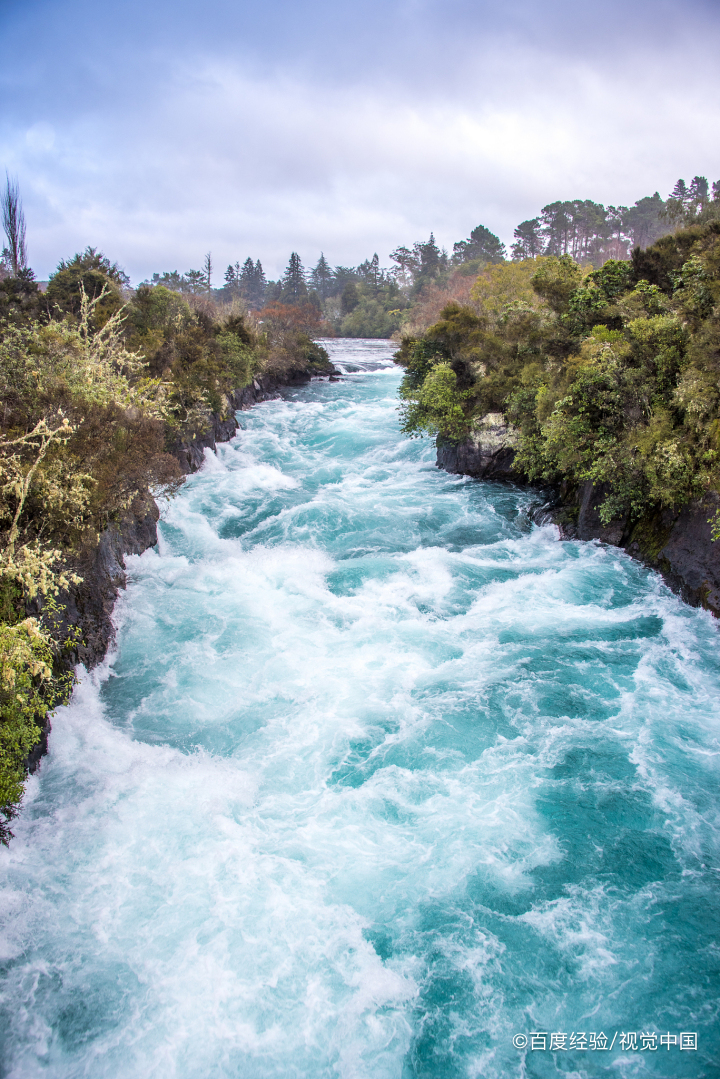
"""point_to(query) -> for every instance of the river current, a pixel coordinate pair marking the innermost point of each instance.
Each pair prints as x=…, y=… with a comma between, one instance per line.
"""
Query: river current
x=379, y=778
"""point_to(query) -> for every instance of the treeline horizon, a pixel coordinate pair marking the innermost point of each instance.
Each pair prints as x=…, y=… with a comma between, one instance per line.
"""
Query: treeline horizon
x=578, y=227
x=369, y=299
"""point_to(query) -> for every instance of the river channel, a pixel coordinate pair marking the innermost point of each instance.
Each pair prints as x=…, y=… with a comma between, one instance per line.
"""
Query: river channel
x=381, y=781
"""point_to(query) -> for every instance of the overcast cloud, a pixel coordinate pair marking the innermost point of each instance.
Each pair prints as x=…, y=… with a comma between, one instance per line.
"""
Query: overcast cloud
x=159, y=133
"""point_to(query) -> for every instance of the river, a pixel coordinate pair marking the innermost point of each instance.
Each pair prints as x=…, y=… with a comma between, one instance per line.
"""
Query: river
x=379, y=778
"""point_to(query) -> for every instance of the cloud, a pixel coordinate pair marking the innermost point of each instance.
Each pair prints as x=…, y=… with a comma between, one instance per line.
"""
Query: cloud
x=244, y=143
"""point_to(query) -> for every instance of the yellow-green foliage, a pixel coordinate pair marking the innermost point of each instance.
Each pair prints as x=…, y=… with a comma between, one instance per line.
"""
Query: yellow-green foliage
x=504, y=283
x=28, y=692
x=611, y=376
x=199, y=359
x=91, y=396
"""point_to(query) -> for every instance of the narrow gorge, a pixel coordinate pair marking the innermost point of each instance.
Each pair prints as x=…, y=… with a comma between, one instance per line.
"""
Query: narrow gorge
x=379, y=779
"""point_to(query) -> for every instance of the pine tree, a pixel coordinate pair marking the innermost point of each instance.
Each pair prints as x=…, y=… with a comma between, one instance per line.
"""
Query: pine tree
x=259, y=285
x=370, y=272
x=246, y=280
x=699, y=193
x=680, y=192
x=294, y=289
x=430, y=260
x=528, y=240
x=482, y=244
x=321, y=277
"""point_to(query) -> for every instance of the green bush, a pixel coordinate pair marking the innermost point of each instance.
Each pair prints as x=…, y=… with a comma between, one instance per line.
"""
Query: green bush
x=611, y=376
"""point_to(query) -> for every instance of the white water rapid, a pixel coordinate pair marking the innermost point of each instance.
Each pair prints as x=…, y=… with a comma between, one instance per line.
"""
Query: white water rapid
x=379, y=777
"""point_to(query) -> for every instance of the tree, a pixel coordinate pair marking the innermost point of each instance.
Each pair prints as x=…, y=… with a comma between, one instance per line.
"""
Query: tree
x=430, y=260
x=14, y=226
x=369, y=271
x=680, y=192
x=528, y=240
x=260, y=284
x=208, y=269
x=408, y=265
x=556, y=227
x=91, y=273
x=644, y=222
x=321, y=277
x=698, y=192
x=231, y=278
x=195, y=282
x=246, y=279
x=294, y=289
x=350, y=298
x=482, y=244
x=252, y=283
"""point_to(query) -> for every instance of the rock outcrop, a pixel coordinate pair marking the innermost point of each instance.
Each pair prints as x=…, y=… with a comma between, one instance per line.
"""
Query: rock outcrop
x=676, y=542
x=190, y=448
x=488, y=453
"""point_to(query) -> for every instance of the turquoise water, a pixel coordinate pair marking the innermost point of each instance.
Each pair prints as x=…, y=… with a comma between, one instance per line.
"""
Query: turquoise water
x=379, y=777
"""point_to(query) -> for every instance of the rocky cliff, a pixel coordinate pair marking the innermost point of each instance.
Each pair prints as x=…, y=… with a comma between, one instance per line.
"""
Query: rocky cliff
x=676, y=542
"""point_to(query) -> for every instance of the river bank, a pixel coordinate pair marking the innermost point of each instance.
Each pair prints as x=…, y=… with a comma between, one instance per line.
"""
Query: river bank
x=88, y=605
x=677, y=542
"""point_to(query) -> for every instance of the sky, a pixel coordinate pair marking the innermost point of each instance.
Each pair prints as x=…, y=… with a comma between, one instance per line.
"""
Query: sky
x=159, y=132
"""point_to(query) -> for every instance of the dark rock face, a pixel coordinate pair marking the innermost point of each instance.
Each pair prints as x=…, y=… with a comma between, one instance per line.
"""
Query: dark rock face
x=676, y=542
x=488, y=454
x=89, y=605
x=688, y=559
x=190, y=451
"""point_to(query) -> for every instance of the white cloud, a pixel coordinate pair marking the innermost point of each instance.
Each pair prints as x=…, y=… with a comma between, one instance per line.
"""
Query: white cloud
x=217, y=158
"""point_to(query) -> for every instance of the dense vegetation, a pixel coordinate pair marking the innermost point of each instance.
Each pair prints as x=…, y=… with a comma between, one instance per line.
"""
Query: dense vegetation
x=609, y=374
x=98, y=384
x=371, y=301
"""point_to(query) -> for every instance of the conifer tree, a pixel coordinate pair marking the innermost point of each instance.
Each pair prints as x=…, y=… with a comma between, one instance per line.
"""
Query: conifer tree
x=321, y=277
x=482, y=244
x=528, y=240
x=294, y=289
x=260, y=284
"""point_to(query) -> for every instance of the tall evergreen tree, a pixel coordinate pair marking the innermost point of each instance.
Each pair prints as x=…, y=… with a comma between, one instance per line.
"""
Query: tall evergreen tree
x=321, y=277
x=680, y=192
x=644, y=223
x=246, y=280
x=294, y=288
x=370, y=272
x=431, y=260
x=342, y=275
x=528, y=240
x=259, y=285
x=482, y=244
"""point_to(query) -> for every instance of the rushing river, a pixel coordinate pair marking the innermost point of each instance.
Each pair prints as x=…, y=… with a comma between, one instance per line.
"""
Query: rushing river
x=379, y=778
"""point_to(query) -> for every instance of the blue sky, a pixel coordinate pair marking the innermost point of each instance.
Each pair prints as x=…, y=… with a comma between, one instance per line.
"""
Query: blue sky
x=160, y=131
